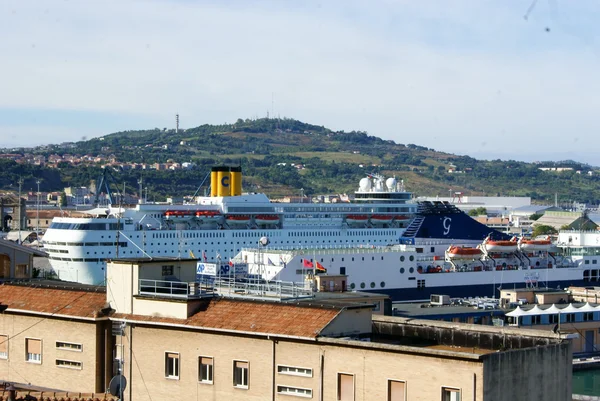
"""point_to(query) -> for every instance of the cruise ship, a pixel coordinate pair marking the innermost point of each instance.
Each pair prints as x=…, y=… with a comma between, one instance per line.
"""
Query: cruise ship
x=442, y=251
x=219, y=226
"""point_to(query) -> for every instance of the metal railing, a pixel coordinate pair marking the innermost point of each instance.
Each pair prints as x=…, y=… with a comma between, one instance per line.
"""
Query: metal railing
x=176, y=289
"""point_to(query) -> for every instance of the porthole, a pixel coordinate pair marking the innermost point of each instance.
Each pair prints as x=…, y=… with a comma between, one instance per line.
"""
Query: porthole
x=412, y=269
x=411, y=258
x=372, y=284
x=382, y=284
x=402, y=270
x=402, y=258
x=362, y=285
x=352, y=286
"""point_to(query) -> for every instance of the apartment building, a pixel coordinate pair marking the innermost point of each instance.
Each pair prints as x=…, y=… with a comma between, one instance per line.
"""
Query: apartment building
x=175, y=338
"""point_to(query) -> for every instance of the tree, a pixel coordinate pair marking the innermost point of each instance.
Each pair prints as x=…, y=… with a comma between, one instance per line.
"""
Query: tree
x=542, y=229
x=480, y=211
x=535, y=216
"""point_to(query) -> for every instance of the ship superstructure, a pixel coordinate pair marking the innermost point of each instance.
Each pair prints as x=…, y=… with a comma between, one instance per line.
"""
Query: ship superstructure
x=219, y=226
x=443, y=251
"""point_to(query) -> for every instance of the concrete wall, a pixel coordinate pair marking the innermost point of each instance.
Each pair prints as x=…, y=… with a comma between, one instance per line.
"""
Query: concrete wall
x=350, y=322
x=91, y=376
x=542, y=373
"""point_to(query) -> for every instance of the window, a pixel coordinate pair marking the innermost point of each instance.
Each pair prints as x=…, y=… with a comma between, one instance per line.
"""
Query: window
x=63, y=363
x=570, y=317
x=292, y=370
x=167, y=270
x=536, y=319
x=587, y=316
x=171, y=365
x=297, y=391
x=69, y=346
x=240, y=374
x=345, y=387
x=33, y=350
x=3, y=347
x=205, y=369
x=450, y=394
x=396, y=390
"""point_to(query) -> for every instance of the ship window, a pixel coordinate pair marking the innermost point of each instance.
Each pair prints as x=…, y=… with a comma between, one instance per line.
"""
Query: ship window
x=411, y=270
x=382, y=284
x=402, y=270
x=401, y=258
x=352, y=286
x=362, y=285
x=372, y=284
x=411, y=258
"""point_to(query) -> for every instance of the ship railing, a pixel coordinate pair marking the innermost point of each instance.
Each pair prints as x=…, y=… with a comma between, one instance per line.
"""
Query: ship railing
x=260, y=289
x=176, y=289
x=333, y=250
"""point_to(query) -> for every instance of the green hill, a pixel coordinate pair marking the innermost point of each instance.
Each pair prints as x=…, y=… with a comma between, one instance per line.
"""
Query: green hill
x=332, y=162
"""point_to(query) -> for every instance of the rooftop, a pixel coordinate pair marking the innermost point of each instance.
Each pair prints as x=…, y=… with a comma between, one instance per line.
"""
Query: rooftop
x=255, y=317
x=57, y=301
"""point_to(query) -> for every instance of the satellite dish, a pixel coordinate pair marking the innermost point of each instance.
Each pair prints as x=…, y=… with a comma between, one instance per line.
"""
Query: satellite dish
x=117, y=385
x=264, y=241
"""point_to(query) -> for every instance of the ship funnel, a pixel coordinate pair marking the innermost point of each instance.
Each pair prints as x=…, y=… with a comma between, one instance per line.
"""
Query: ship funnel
x=225, y=181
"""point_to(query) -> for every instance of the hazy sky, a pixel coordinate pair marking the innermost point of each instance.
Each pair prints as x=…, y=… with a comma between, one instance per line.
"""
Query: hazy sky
x=468, y=77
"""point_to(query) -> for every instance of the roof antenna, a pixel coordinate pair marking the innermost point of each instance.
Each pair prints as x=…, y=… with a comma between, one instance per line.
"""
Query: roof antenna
x=530, y=9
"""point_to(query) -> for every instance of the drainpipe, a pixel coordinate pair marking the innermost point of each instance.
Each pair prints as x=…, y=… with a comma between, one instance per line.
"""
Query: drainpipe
x=273, y=368
x=130, y=361
x=321, y=365
x=474, y=386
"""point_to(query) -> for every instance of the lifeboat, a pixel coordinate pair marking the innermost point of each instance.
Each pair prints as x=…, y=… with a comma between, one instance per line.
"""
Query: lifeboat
x=354, y=219
x=462, y=252
x=238, y=219
x=381, y=219
x=208, y=216
x=535, y=244
x=178, y=215
x=263, y=219
x=500, y=245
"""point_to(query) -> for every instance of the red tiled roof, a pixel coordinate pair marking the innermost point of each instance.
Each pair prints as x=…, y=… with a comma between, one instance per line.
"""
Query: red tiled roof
x=76, y=303
x=253, y=317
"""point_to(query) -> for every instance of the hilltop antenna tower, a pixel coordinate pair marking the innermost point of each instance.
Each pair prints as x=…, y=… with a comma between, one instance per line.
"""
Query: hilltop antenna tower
x=176, y=123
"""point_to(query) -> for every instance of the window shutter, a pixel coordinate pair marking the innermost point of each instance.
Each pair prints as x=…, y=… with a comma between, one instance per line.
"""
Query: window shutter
x=34, y=346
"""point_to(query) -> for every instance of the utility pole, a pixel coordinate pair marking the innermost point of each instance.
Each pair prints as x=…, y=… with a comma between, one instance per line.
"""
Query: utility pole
x=20, y=211
x=37, y=230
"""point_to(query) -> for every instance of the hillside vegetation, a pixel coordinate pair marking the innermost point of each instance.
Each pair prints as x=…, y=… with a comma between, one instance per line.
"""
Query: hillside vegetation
x=270, y=151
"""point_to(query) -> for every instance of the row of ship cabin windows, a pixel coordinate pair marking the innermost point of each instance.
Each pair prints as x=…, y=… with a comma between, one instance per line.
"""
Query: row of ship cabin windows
x=553, y=318
x=240, y=375
x=33, y=352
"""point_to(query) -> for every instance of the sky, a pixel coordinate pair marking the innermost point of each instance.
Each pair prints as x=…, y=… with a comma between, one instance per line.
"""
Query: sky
x=492, y=79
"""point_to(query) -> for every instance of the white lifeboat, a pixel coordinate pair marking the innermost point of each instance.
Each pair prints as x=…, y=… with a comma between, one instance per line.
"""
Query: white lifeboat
x=238, y=219
x=462, y=252
x=535, y=244
x=381, y=218
x=264, y=219
x=355, y=219
x=506, y=246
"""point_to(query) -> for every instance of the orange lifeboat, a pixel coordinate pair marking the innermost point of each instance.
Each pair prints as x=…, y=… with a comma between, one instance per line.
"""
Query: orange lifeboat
x=178, y=215
x=208, y=216
x=264, y=219
x=238, y=219
x=381, y=219
x=462, y=252
x=500, y=245
x=354, y=219
x=535, y=244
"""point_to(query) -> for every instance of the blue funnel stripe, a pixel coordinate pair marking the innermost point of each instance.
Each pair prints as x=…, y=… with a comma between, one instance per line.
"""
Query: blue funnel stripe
x=442, y=220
